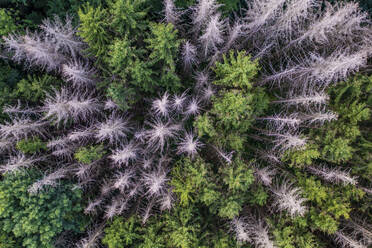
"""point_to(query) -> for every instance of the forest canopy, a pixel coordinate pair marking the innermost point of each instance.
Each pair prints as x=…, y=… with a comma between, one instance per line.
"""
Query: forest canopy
x=185, y=124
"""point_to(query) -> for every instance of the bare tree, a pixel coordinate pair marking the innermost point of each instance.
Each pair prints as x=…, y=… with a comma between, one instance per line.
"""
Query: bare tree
x=22, y=127
x=280, y=122
x=125, y=154
x=93, y=206
x=16, y=110
x=305, y=100
x=79, y=73
x=360, y=227
x=227, y=157
x=319, y=117
x=48, y=180
x=202, y=12
x=288, y=198
x=347, y=242
x=18, y=162
x=212, y=36
x=64, y=106
x=265, y=174
x=287, y=141
x=172, y=15
x=333, y=175
x=239, y=226
x=124, y=180
x=189, y=145
x=166, y=201
x=261, y=13
x=338, y=66
x=115, y=129
x=161, y=107
x=207, y=93
x=92, y=240
x=338, y=20
x=260, y=233
x=234, y=33
x=63, y=34
x=189, y=55
x=296, y=12
x=159, y=133
x=81, y=135
x=155, y=182
x=34, y=50
x=178, y=102
x=193, y=108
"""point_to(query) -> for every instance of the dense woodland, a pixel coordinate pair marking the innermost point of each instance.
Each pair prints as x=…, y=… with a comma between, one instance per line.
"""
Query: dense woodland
x=185, y=123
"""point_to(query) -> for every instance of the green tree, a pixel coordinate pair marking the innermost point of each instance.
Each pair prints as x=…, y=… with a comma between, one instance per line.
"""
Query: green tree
x=128, y=16
x=122, y=233
x=93, y=29
x=233, y=111
x=188, y=179
x=34, y=88
x=329, y=203
x=349, y=101
x=36, y=220
x=164, y=44
x=122, y=95
x=182, y=228
x=31, y=146
x=7, y=23
x=87, y=155
x=236, y=71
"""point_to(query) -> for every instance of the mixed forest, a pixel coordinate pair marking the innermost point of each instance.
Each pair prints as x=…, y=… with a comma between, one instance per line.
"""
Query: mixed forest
x=185, y=123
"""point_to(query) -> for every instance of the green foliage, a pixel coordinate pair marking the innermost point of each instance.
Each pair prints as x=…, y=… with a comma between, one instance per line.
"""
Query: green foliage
x=141, y=76
x=204, y=126
x=194, y=182
x=233, y=111
x=299, y=158
x=230, y=208
x=137, y=58
x=152, y=237
x=284, y=237
x=121, y=95
x=182, y=228
x=237, y=177
x=337, y=149
x=9, y=77
x=87, y=155
x=121, y=56
x=128, y=16
x=188, y=178
x=7, y=24
x=258, y=196
x=236, y=106
x=294, y=234
x=7, y=241
x=30, y=13
x=329, y=203
x=164, y=44
x=349, y=101
x=231, y=116
x=236, y=71
x=31, y=146
x=36, y=220
x=93, y=28
x=126, y=61
x=122, y=234
x=33, y=88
